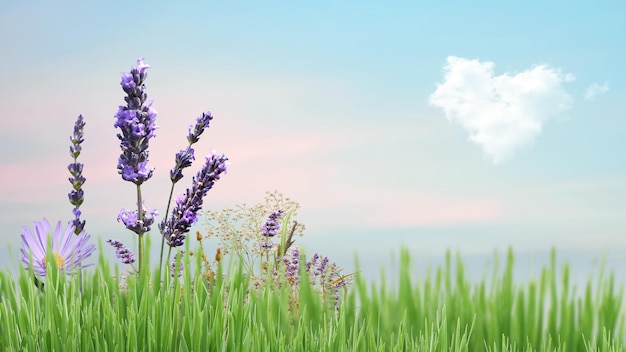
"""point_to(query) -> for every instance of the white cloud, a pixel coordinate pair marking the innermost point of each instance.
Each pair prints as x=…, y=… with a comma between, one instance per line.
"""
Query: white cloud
x=596, y=89
x=501, y=113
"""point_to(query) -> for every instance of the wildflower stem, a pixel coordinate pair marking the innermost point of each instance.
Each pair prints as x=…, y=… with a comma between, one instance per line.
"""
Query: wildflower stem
x=169, y=253
x=140, y=221
x=167, y=211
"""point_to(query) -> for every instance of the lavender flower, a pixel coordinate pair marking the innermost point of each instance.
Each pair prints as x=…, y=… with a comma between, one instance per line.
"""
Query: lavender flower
x=76, y=196
x=267, y=245
x=68, y=254
x=185, y=213
x=330, y=279
x=318, y=266
x=202, y=122
x=130, y=219
x=268, y=230
x=292, y=266
x=173, y=269
x=341, y=283
x=321, y=267
x=123, y=253
x=185, y=157
x=137, y=122
x=310, y=263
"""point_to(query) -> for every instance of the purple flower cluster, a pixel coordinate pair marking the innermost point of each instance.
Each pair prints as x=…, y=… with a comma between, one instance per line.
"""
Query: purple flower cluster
x=173, y=269
x=318, y=264
x=269, y=228
x=77, y=196
x=130, y=219
x=292, y=266
x=137, y=122
x=123, y=253
x=202, y=122
x=328, y=276
x=185, y=212
x=339, y=284
x=185, y=157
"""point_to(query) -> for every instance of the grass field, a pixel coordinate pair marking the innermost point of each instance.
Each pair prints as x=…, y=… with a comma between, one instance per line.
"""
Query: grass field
x=98, y=311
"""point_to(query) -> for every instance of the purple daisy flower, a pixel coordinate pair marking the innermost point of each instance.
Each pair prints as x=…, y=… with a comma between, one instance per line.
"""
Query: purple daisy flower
x=68, y=250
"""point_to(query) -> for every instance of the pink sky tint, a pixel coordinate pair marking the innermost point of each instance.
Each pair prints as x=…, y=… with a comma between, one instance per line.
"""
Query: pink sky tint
x=404, y=210
x=42, y=179
x=33, y=180
x=262, y=160
x=379, y=208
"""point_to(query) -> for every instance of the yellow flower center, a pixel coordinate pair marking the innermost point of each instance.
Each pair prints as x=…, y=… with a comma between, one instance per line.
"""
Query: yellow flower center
x=58, y=259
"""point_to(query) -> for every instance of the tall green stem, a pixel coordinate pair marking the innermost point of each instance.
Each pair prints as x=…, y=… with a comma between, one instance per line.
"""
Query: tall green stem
x=167, y=211
x=140, y=217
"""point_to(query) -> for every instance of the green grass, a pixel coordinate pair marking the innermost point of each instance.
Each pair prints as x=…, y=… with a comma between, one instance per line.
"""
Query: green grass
x=442, y=311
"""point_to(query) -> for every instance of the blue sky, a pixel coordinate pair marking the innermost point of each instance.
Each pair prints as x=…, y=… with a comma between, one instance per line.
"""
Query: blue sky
x=440, y=125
